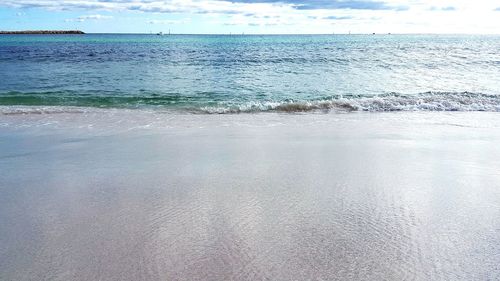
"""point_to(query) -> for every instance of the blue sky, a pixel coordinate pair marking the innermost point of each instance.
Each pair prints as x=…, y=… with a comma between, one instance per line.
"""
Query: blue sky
x=254, y=16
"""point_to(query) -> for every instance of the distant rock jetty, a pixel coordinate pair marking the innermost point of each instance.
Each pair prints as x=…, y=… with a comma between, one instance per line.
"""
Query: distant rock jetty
x=43, y=32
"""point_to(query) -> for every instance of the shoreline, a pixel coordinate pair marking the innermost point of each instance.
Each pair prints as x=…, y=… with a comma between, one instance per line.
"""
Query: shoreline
x=105, y=120
x=388, y=102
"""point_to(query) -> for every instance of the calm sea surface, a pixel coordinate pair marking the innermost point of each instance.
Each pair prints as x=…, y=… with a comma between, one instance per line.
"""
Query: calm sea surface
x=220, y=74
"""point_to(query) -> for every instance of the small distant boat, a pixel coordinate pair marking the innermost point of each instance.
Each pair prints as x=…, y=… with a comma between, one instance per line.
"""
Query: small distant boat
x=159, y=33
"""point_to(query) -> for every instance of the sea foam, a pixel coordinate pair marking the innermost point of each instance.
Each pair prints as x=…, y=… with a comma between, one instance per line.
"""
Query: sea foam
x=428, y=101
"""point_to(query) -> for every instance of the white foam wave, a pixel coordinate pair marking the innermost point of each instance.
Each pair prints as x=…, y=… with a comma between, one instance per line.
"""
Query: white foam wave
x=430, y=101
x=40, y=110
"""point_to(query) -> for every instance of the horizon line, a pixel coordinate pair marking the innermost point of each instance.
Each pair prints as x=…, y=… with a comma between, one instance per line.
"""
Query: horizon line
x=237, y=34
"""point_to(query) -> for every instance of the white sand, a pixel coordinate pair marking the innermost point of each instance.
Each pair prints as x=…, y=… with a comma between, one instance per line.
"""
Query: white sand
x=126, y=195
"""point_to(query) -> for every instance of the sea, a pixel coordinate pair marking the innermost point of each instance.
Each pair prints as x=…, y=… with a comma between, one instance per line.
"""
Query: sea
x=219, y=74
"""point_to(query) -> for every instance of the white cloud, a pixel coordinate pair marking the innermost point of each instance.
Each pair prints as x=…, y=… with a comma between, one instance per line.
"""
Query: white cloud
x=170, y=22
x=89, y=17
x=95, y=17
x=396, y=16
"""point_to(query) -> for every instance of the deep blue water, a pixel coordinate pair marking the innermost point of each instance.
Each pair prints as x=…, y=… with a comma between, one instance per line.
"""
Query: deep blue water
x=252, y=73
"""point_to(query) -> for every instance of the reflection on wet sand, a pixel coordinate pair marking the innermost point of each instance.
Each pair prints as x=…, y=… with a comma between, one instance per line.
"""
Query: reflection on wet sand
x=363, y=199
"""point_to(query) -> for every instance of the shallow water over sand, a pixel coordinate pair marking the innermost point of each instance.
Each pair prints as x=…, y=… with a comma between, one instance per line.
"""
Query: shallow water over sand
x=396, y=196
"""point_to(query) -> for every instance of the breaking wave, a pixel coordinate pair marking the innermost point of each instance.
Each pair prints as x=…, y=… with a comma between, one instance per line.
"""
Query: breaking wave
x=46, y=103
x=429, y=101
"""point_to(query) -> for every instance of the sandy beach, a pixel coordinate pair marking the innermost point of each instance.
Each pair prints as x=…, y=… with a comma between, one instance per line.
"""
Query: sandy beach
x=247, y=140
x=117, y=195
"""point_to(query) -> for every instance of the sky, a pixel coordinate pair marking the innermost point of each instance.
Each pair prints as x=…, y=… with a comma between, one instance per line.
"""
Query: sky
x=253, y=16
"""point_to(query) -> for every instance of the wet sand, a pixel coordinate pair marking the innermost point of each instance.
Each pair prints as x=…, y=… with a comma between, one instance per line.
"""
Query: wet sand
x=136, y=196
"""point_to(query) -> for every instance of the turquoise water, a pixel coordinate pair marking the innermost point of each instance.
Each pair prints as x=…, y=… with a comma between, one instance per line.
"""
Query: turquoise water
x=228, y=74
